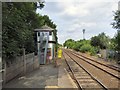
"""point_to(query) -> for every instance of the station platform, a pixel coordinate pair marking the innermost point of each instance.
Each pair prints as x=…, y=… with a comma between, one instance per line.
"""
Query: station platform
x=47, y=76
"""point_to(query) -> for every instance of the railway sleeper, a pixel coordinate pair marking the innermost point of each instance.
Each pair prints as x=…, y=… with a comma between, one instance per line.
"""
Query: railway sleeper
x=91, y=85
x=87, y=81
x=84, y=77
x=79, y=74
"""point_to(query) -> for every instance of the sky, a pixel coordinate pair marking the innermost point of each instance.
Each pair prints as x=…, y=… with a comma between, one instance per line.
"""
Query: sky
x=72, y=16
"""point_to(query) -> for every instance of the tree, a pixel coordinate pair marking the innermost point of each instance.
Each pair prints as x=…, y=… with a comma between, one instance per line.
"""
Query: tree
x=101, y=41
x=77, y=45
x=117, y=40
x=18, y=23
x=112, y=44
x=95, y=41
x=69, y=43
x=116, y=25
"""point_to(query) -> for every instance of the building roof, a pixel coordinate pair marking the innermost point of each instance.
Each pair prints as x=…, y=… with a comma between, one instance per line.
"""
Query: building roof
x=45, y=28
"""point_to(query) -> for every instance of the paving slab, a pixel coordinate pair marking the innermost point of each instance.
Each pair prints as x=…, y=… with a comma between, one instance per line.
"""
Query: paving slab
x=45, y=77
x=36, y=79
x=64, y=79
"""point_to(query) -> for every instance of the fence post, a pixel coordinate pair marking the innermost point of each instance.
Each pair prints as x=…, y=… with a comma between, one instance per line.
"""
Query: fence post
x=24, y=60
x=4, y=72
x=33, y=61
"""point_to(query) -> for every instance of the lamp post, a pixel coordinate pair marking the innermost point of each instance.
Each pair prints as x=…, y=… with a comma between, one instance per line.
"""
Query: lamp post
x=83, y=34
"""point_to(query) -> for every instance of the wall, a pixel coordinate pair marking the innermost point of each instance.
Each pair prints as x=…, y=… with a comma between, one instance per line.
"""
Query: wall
x=20, y=67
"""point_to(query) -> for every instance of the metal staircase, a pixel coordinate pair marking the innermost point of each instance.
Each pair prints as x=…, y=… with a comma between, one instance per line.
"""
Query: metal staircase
x=43, y=46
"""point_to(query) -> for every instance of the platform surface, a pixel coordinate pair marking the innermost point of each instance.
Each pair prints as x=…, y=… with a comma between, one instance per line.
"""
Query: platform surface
x=47, y=76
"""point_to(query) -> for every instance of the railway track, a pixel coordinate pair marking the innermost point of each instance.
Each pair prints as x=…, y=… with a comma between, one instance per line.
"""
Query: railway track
x=107, y=77
x=110, y=70
x=116, y=68
x=84, y=79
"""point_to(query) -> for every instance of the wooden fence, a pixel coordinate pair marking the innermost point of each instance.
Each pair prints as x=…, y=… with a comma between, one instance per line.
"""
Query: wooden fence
x=20, y=67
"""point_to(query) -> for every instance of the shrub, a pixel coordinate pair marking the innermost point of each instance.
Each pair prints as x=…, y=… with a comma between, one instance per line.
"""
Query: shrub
x=85, y=48
x=92, y=51
x=88, y=48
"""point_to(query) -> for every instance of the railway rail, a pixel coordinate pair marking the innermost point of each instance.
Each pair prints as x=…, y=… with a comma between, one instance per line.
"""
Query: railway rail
x=112, y=71
x=109, y=66
x=108, y=77
x=83, y=78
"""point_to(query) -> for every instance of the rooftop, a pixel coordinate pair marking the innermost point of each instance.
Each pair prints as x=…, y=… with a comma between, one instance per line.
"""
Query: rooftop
x=45, y=28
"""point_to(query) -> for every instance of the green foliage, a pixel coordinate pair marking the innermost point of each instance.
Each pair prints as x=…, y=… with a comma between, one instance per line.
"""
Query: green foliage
x=112, y=44
x=85, y=48
x=116, y=25
x=88, y=48
x=101, y=41
x=81, y=45
x=94, y=50
x=18, y=24
x=95, y=41
x=117, y=40
x=69, y=43
x=77, y=45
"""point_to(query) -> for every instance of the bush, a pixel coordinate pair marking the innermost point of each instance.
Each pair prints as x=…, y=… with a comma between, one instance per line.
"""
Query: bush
x=92, y=51
x=82, y=46
x=85, y=48
x=88, y=48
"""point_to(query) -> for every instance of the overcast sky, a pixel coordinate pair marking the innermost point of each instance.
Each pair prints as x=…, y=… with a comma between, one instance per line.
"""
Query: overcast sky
x=72, y=16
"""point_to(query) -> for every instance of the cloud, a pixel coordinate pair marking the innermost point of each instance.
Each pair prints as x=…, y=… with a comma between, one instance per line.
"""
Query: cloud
x=81, y=0
x=74, y=9
x=72, y=16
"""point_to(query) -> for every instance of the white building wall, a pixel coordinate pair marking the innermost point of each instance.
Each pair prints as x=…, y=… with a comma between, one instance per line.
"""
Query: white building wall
x=50, y=45
x=50, y=38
